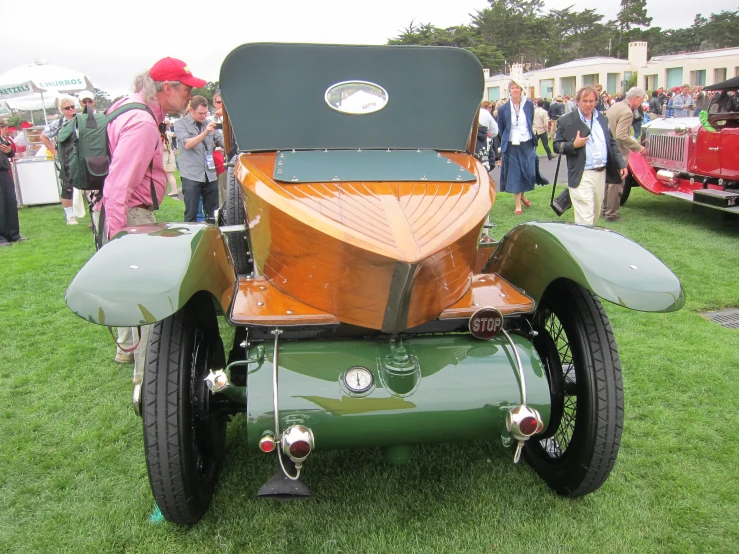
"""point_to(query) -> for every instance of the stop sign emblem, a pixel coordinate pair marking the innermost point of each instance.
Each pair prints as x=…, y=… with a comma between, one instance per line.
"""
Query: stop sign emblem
x=485, y=323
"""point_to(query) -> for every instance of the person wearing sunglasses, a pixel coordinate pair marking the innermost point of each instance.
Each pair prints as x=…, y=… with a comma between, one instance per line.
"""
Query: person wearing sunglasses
x=86, y=99
x=48, y=137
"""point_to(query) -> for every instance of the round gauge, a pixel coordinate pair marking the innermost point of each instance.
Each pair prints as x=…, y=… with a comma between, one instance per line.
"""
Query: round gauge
x=358, y=379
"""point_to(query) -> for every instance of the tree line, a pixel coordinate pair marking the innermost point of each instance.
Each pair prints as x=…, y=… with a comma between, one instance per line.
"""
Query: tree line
x=523, y=31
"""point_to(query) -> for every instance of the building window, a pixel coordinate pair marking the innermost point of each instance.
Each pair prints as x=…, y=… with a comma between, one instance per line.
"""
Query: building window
x=568, y=86
x=590, y=80
x=612, y=83
x=546, y=88
x=651, y=82
x=494, y=94
x=674, y=77
x=719, y=75
x=698, y=78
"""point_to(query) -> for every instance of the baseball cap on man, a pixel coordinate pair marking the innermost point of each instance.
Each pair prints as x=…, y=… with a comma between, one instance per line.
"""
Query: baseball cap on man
x=85, y=94
x=172, y=69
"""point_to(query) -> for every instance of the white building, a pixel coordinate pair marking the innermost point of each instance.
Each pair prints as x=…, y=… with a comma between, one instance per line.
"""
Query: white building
x=695, y=68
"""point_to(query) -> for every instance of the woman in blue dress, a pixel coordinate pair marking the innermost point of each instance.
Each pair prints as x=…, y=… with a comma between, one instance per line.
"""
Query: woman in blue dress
x=518, y=167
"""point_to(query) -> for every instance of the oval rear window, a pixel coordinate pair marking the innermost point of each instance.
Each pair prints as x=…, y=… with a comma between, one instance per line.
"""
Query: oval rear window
x=356, y=97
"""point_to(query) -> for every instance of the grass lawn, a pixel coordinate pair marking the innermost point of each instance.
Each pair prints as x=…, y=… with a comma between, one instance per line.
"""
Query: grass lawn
x=73, y=476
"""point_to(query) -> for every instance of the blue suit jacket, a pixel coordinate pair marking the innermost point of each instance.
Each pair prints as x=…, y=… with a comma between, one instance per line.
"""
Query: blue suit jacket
x=504, y=122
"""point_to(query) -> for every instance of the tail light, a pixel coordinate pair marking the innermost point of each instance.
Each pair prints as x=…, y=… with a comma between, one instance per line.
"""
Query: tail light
x=297, y=442
x=529, y=426
x=267, y=443
x=523, y=421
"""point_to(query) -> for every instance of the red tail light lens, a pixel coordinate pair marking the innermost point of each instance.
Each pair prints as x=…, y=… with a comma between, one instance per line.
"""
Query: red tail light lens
x=299, y=449
x=528, y=426
x=297, y=442
x=267, y=443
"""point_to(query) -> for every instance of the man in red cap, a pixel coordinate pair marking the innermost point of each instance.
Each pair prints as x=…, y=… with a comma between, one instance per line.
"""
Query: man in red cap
x=136, y=180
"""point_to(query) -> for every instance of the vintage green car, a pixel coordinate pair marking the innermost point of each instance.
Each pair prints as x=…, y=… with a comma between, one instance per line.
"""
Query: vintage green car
x=370, y=307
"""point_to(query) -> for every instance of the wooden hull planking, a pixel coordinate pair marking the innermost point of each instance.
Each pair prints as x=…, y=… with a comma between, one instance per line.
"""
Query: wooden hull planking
x=382, y=255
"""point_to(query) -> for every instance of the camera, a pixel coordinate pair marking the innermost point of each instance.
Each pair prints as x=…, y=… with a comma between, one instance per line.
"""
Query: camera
x=219, y=125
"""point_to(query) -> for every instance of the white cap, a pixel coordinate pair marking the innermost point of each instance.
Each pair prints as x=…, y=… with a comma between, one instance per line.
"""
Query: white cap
x=85, y=94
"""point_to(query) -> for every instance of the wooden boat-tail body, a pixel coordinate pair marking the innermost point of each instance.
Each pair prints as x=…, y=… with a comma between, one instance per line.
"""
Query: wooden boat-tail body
x=383, y=255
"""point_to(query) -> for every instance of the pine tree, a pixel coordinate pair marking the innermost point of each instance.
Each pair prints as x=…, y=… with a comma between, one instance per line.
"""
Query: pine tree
x=633, y=12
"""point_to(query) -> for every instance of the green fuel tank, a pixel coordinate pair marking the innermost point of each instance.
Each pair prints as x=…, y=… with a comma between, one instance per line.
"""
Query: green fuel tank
x=421, y=390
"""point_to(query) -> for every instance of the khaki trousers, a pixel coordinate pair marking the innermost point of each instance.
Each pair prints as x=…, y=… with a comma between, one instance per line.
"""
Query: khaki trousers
x=553, y=131
x=127, y=336
x=222, y=189
x=587, y=197
x=612, y=203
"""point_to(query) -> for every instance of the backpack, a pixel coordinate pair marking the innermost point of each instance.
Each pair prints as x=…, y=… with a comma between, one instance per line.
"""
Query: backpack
x=84, y=153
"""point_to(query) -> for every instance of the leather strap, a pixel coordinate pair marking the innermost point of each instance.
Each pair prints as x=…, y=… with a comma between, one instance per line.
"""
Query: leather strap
x=134, y=347
x=556, y=174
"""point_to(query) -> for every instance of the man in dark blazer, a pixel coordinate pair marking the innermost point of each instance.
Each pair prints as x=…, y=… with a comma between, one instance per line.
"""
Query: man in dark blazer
x=592, y=160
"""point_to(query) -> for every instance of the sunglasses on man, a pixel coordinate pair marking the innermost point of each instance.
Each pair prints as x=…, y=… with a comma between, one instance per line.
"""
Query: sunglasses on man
x=87, y=101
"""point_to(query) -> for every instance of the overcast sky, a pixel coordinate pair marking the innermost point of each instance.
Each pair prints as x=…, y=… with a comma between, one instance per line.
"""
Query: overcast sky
x=119, y=39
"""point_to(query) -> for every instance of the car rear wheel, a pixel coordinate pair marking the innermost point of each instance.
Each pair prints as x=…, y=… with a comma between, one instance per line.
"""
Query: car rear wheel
x=184, y=436
x=238, y=242
x=628, y=183
x=576, y=454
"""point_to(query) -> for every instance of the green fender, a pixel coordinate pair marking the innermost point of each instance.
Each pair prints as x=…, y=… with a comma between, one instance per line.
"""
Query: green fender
x=617, y=269
x=148, y=273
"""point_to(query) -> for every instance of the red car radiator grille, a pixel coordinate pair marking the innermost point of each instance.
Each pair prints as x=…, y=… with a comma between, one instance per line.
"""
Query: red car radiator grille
x=668, y=151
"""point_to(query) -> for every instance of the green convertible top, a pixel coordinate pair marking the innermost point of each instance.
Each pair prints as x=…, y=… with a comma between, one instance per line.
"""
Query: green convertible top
x=315, y=96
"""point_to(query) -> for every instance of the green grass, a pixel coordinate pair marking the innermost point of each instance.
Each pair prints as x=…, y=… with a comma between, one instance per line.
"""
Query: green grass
x=73, y=476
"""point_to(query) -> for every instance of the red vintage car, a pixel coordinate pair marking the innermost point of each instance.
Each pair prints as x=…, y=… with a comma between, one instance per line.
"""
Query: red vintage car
x=694, y=158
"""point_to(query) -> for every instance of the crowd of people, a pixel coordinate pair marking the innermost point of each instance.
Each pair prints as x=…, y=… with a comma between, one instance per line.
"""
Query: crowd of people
x=510, y=130
x=201, y=173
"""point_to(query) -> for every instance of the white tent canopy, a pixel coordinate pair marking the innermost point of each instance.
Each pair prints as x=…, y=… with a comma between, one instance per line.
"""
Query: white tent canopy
x=4, y=109
x=38, y=85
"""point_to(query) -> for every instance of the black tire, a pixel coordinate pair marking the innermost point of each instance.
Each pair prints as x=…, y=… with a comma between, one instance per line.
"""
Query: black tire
x=184, y=436
x=628, y=183
x=576, y=454
x=234, y=214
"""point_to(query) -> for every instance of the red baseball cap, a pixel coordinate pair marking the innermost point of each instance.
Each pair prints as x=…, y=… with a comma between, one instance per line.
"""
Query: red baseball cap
x=172, y=69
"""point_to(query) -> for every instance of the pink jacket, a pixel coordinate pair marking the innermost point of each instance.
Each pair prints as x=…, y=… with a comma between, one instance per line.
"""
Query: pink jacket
x=134, y=139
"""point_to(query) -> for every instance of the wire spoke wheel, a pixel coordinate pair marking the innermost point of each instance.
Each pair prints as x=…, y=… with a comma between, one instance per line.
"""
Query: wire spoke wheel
x=576, y=453
x=556, y=445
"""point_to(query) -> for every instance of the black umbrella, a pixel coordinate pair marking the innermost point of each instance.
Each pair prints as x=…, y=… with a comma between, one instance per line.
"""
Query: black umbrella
x=731, y=84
